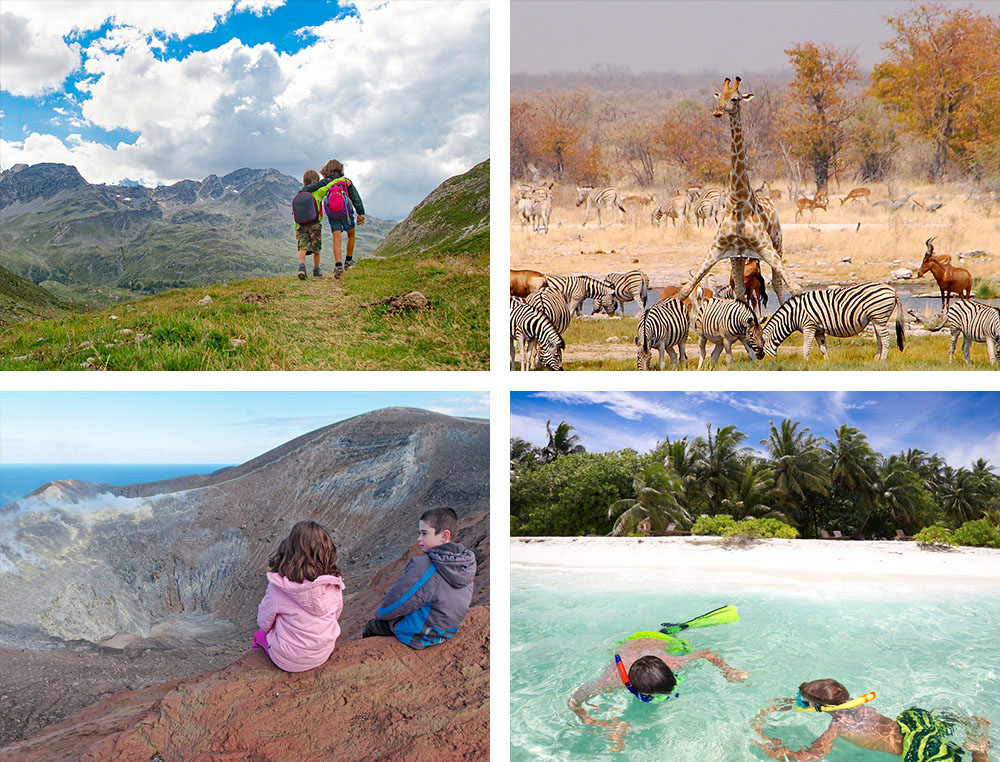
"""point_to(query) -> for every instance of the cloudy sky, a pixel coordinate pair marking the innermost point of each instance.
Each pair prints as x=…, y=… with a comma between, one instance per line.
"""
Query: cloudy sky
x=188, y=427
x=958, y=426
x=730, y=36
x=165, y=90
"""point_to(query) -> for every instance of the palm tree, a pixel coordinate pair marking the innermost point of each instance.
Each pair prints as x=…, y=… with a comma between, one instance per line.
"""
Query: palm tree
x=797, y=467
x=654, y=499
x=680, y=459
x=522, y=452
x=854, y=467
x=963, y=498
x=754, y=495
x=901, y=491
x=717, y=464
x=561, y=442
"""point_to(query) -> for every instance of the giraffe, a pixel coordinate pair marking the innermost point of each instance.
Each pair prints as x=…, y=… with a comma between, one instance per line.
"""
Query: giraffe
x=749, y=223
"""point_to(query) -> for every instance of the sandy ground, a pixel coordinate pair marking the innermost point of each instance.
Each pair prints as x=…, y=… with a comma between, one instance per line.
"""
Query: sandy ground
x=785, y=559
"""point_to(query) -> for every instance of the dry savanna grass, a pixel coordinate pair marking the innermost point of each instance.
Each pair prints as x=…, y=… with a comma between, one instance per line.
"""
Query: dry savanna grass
x=854, y=243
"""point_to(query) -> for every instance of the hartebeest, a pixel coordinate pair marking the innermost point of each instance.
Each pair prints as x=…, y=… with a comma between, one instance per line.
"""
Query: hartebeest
x=754, y=286
x=951, y=280
x=857, y=193
x=524, y=282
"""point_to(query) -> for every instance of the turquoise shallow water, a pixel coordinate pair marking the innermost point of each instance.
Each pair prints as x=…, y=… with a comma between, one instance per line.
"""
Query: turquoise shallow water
x=935, y=647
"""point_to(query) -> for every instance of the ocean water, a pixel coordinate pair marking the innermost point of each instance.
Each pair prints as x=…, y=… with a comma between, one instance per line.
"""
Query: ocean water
x=915, y=645
x=17, y=479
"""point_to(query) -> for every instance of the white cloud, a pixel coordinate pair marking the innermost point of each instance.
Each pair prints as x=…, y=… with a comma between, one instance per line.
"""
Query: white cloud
x=629, y=405
x=177, y=18
x=399, y=94
x=33, y=60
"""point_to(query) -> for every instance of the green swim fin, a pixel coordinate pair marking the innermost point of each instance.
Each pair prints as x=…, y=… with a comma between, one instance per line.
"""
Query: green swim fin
x=723, y=615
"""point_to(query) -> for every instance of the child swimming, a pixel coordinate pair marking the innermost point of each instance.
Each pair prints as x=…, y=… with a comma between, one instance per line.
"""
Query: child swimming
x=648, y=661
x=915, y=736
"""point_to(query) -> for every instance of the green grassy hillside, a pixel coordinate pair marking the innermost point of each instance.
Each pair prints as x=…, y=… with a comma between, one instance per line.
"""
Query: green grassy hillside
x=22, y=300
x=286, y=324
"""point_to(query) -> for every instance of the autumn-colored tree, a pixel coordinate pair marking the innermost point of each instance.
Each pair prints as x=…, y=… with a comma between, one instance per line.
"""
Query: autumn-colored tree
x=817, y=106
x=633, y=137
x=524, y=148
x=687, y=136
x=562, y=121
x=941, y=81
x=872, y=142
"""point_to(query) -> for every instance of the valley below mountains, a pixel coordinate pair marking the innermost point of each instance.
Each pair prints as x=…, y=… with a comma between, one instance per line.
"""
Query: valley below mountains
x=106, y=589
x=100, y=244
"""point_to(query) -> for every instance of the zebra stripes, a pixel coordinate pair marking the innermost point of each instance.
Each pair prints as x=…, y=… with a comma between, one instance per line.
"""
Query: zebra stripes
x=552, y=304
x=534, y=207
x=976, y=322
x=674, y=208
x=664, y=326
x=528, y=327
x=595, y=198
x=838, y=312
x=708, y=207
x=722, y=321
x=630, y=286
x=579, y=288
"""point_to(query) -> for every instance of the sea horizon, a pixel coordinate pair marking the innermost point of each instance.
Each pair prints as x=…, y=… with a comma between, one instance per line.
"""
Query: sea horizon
x=20, y=479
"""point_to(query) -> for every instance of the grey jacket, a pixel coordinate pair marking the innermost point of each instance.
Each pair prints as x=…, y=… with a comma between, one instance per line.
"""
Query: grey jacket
x=429, y=602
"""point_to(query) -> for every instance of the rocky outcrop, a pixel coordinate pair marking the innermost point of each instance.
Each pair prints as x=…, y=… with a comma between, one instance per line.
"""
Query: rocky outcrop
x=189, y=554
x=375, y=699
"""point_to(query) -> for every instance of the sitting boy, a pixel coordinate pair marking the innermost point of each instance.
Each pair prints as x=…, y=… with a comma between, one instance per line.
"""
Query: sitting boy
x=644, y=664
x=428, y=603
x=914, y=736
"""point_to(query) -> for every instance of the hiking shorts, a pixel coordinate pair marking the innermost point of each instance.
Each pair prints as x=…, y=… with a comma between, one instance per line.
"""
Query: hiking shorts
x=309, y=237
x=345, y=225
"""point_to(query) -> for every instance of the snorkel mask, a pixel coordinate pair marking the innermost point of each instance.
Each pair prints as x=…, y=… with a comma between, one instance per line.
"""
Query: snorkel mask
x=801, y=705
x=643, y=697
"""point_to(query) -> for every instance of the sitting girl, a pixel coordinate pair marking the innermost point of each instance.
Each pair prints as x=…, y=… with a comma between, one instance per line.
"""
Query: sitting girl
x=304, y=598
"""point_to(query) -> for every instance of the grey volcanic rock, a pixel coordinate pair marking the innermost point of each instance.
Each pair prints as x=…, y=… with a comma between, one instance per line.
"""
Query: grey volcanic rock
x=188, y=555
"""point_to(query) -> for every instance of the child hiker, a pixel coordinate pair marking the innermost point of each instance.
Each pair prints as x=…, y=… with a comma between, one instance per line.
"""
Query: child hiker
x=340, y=213
x=304, y=598
x=428, y=603
x=307, y=212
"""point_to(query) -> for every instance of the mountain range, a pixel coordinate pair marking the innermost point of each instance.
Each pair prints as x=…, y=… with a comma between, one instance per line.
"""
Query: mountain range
x=102, y=243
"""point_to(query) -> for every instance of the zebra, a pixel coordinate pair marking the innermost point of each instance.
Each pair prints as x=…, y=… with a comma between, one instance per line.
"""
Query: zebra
x=525, y=211
x=708, y=206
x=541, y=199
x=838, y=312
x=596, y=198
x=664, y=326
x=722, y=321
x=976, y=322
x=528, y=326
x=674, y=208
x=552, y=304
x=630, y=286
x=579, y=288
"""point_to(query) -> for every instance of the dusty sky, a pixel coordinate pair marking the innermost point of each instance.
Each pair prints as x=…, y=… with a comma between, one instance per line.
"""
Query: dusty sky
x=688, y=37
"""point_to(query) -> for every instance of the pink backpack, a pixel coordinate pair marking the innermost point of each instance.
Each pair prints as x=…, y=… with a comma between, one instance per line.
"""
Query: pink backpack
x=336, y=204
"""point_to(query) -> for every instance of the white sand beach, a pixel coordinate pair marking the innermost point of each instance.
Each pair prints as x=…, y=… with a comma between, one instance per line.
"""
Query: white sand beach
x=800, y=560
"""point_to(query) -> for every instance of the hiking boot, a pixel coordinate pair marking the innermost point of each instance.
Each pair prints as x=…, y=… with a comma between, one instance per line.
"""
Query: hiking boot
x=302, y=272
x=338, y=271
x=317, y=273
x=348, y=263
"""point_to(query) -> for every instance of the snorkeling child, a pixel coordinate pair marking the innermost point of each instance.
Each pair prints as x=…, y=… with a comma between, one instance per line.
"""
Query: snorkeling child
x=304, y=598
x=334, y=170
x=915, y=736
x=309, y=235
x=428, y=603
x=645, y=665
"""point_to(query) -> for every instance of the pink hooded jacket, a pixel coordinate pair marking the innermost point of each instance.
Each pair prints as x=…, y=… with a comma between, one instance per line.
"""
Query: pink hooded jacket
x=300, y=619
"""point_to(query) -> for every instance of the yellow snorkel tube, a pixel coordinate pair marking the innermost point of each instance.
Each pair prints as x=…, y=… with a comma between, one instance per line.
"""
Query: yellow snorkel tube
x=802, y=706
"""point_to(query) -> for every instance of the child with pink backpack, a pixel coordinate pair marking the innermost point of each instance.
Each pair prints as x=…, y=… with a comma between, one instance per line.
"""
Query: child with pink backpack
x=339, y=205
x=304, y=598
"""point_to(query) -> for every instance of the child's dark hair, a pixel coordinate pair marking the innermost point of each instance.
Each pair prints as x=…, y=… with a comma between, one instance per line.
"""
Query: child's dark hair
x=442, y=518
x=333, y=168
x=650, y=674
x=307, y=553
x=826, y=692
x=310, y=176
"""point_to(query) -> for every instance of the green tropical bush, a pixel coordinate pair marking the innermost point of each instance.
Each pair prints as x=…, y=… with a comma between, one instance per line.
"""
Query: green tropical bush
x=935, y=535
x=724, y=525
x=714, y=525
x=979, y=533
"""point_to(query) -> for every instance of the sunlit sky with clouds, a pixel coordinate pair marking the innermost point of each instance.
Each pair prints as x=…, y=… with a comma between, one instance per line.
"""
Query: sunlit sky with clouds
x=188, y=427
x=959, y=426
x=165, y=90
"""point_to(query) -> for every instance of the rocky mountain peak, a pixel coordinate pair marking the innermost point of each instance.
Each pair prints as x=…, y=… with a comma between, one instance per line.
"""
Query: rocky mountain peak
x=39, y=181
